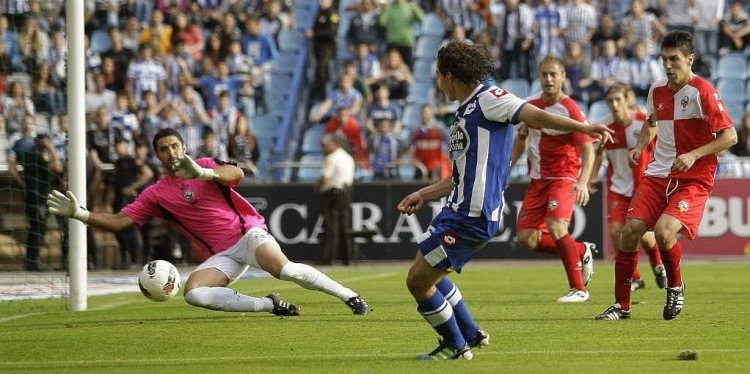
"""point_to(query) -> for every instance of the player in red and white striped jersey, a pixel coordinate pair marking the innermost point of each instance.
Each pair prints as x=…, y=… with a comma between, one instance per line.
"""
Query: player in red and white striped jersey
x=693, y=126
x=626, y=120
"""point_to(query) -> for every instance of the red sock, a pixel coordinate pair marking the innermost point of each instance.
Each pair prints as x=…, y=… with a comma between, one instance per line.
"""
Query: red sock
x=637, y=274
x=547, y=244
x=626, y=264
x=571, y=259
x=671, y=260
x=654, y=255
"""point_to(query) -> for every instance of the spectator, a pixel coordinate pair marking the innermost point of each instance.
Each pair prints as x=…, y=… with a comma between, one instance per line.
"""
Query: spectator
x=729, y=166
x=383, y=109
x=581, y=22
x=7, y=66
x=676, y=14
x=399, y=18
x=742, y=148
x=211, y=146
x=33, y=44
x=344, y=96
x=385, y=151
x=367, y=63
x=364, y=27
x=707, y=15
x=228, y=30
x=606, y=70
x=121, y=56
x=124, y=121
x=549, y=21
x=213, y=49
x=359, y=84
x=457, y=14
x=577, y=69
x=151, y=123
x=16, y=106
x=190, y=34
x=137, y=10
x=128, y=178
x=262, y=51
x=515, y=38
x=323, y=36
x=274, y=20
x=179, y=67
x=158, y=32
x=643, y=26
x=101, y=138
x=396, y=74
x=112, y=81
x=146, y=74
x=347, y=125
x=239, y=62
x=735, y=30
x=131, y=34
x=11, y=42
x=243, y=145
x=644, y=71
x=428, y=146
x=608, y=30
x=192, y=107
x=212, y=86
x=47, y=94
x=224, y=118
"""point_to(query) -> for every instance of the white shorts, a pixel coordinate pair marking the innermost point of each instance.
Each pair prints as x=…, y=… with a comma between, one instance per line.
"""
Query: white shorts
x=236, y=259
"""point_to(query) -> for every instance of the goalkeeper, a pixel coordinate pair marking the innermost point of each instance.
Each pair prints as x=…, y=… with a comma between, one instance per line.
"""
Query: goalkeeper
x=197, y=196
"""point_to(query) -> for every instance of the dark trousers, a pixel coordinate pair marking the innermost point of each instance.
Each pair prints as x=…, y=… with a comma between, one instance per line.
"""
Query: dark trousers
x=36, y=214
x=516, y=56
x=324, y=52
x=337, y=221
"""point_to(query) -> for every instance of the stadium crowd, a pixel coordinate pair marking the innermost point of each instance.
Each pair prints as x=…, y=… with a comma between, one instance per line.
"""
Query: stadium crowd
x=203, y=67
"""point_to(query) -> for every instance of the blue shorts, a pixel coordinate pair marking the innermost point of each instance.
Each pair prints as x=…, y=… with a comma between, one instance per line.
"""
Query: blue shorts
x=453, y=239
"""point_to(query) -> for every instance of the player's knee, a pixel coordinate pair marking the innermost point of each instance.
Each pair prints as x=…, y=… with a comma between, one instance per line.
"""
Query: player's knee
x=303, y=275
x=527, y=239
x=198, y=297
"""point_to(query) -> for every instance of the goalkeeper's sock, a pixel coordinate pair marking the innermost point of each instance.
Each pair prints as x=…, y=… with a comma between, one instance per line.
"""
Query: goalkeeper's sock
x=312, y=279
x=227, y=299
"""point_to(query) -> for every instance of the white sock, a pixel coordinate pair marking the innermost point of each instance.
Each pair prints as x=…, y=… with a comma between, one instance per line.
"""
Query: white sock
x=312, y=279
x=227, y=299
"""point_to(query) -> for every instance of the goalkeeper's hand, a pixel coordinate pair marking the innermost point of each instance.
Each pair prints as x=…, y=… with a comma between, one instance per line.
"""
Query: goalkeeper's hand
x=186, y=167
x=67, y=206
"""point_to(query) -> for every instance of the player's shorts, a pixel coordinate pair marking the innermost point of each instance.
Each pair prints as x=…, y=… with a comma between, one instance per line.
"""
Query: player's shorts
x=681, y=199
x=236, y=259
x=545, y=199
x=453, y=239
x=617, y=207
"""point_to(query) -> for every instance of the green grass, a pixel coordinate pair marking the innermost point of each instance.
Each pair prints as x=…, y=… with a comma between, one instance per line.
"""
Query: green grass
x=530, y=332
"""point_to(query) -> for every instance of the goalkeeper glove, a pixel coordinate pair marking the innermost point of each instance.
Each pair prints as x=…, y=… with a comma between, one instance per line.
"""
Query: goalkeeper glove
x=186, y=167
x=67, y=206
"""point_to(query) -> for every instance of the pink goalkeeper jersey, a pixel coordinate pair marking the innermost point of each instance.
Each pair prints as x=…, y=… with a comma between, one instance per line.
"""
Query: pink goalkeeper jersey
x=687, y=119
x=199, y=209
x=554, y=154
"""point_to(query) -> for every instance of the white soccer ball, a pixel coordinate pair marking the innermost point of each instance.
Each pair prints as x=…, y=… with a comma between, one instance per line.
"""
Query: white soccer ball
x=159, y=280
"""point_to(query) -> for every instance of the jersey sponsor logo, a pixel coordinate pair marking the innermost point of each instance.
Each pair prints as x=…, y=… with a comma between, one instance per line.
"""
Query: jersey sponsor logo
x=683, y=206
x=449, y=239
x=660, y=106
x=459, y=140
x=684, y=102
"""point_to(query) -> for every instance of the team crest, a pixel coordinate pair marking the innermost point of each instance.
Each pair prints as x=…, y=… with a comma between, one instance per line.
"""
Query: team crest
x=683, y=206
x=553, y=205
x=189, y=196
x=470, y=108
x=684, y=102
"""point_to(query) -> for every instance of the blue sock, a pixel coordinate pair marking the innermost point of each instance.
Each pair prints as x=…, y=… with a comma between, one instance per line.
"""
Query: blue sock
x=456, y=300
x=439, y=314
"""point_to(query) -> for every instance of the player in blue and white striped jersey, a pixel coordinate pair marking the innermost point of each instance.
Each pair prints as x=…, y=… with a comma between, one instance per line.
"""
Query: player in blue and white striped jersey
x=480, y=150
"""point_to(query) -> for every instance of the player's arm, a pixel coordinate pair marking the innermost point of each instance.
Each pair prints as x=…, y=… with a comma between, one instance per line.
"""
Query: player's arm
x=594, y=176
x=648, y=133
x=581, y=188
x=410, y=204
x=542, y=118
x=519, y=146
x=66, y=205
x=724, y=140
x=226, y=174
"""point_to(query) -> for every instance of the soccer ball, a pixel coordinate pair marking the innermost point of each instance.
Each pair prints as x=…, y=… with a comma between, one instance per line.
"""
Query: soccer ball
x=159, y=280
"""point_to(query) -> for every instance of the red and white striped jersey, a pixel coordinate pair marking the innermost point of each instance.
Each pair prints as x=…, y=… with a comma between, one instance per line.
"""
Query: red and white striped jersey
x=687, y=119
x=621, y=178
x=554, y=154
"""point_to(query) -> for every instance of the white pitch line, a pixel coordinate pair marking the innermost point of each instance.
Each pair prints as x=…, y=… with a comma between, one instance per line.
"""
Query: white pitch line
x=12, y=318
x=112, y=305
x=339, y=357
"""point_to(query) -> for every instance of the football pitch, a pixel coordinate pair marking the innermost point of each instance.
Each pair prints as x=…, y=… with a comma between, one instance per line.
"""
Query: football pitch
x=513, y=301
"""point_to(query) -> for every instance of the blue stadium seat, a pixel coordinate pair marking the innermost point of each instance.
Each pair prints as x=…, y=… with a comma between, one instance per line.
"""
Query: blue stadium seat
x=291, y=40
x=309, y=173
x=536, y=86
x=424, y=69
x=411, y=117
x=265, y=126
x=736, y=111
x=421, y=93
x=432, y=25
x=427, y=47
x=516, y=86
x=311, y=140
x=598, y=111
x=731, y=66
x=286, y=62
x=100, y=41
x=731, y=90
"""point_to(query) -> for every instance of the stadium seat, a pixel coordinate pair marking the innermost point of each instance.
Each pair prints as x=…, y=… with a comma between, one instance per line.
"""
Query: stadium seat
x=427, y=47
x=424, y=69
x=265, y=125
x=411, y=117
x=598, y=111
x=584, y=107
x=516, y=86
x=421, y=93
x=309, y=173
x=432, y=25
x=731, y=90
x=731, y=66
x=736, y=111
x=291, y=40
x=100, y=41
x=311, y=140
x=536, y=87
x=286, y=62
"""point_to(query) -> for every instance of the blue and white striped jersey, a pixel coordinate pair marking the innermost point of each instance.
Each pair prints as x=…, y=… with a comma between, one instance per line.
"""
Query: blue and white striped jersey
x=481, y=145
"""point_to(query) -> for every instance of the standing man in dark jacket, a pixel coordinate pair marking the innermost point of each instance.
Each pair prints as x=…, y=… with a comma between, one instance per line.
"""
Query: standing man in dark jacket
x=323, y=35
